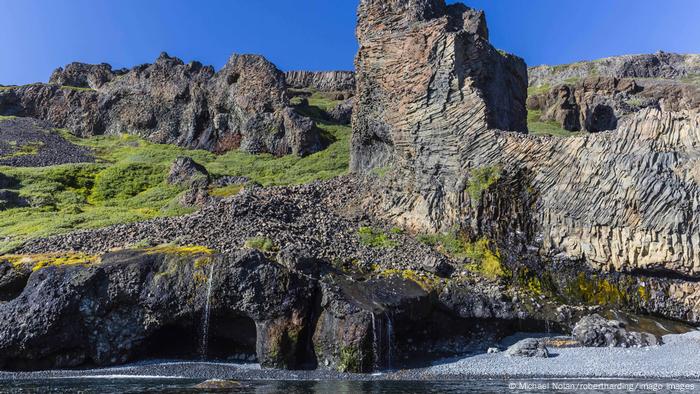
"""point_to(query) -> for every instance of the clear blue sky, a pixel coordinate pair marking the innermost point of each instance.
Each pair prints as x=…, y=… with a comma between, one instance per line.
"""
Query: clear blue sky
x=40, y=35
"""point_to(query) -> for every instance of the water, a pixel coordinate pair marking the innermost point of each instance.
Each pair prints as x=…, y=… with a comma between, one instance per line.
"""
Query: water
x=382, y=341
x=205, y=317
x=161, y=385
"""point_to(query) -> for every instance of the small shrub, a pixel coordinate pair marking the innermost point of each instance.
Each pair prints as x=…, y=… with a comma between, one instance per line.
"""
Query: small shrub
x=375, y=238
x=262, y=244
x=481, y=179
x=126, y=180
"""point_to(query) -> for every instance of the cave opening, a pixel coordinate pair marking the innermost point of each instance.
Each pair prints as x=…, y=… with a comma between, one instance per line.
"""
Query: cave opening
x=229, y=338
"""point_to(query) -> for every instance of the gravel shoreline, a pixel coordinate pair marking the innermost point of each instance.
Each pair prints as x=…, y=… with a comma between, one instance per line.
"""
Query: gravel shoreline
x=678, y=358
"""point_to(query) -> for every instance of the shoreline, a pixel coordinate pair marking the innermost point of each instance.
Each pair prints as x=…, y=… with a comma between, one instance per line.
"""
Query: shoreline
x=677, y=358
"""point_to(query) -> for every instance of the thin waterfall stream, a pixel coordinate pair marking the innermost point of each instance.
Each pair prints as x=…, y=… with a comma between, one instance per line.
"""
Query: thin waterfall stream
x=204, y=344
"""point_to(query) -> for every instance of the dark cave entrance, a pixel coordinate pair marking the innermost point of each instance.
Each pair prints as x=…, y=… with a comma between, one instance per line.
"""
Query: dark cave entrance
x=230, y=338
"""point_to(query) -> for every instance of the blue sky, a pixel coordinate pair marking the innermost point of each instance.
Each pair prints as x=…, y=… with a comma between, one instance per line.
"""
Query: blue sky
x=40, y=35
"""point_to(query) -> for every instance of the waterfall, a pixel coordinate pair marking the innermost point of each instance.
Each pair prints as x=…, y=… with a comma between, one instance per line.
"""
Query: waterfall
x=389, y=337
x=205, y=317
x=375, y=347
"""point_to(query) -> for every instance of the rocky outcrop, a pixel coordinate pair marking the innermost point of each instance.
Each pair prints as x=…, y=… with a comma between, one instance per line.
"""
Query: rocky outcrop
x=596, y=331
x=293, y=312
x=324, y=81
x=426, y=74
x=244, y=105
x=598, y=103
x=586, y=198
x=187, y=173
x=659, y=65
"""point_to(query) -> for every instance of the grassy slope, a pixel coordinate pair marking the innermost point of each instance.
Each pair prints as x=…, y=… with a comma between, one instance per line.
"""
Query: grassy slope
x=539, y=127
x=127, y=183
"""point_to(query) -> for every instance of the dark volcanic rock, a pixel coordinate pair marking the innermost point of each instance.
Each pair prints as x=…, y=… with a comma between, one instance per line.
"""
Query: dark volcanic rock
x=26, y=142
x=244, y=105
x=596, y=331
x=186, y=172
x=342, y=113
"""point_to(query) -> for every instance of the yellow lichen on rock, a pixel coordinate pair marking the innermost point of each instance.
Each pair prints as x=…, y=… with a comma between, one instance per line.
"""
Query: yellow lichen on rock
x=58, y=259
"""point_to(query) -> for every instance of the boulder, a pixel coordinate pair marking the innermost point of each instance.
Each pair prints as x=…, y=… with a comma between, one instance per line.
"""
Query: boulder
x=596, y=331
x=187, y=173
x=342, y=113
x=529, y=347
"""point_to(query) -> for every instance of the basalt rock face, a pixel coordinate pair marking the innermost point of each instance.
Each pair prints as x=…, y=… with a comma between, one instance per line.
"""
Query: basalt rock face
x=598, y=103
x=324, y=81
x=626, y=201
x=659, y=65
x=244, y=105
x=294, y=312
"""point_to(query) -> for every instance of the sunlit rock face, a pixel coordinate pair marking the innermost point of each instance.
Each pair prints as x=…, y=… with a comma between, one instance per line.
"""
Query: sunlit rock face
x=431, y=92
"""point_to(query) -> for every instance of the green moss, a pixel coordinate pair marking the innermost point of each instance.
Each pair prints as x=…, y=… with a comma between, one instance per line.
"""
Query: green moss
x=375, y=238
x=123, y=181
x=426, y=281
x=598, y=291
x=381, y=171
x=537, y=126
x=537, y=283
x=77, y=88
x=29, y=149
x=6, y=117
x=540, y=89
x=225, y=191
x=350, y=360
x=39, y=261
x=481, y=179
x=262, y=244
x=484, y=258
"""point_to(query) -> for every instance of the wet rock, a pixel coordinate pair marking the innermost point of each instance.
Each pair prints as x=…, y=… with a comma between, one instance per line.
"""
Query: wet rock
x=596, y=331
x=218, y=384
x=529, y=347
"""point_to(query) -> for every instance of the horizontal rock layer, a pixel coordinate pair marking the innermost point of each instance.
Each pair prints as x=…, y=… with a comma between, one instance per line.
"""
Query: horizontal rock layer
x=324, y=81
x=659, y=65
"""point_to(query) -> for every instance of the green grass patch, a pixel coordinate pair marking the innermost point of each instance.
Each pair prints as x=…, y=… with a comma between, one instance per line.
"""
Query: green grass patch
x=375, y=238
x=262, y=244
x=77, y=88
x=225, y=191
x=6, y=117
x=28, y=149
x=481, y=179
x=692, y=78
x=537, y=126
x=127, y=183
x=483, y=257
x=536, y=90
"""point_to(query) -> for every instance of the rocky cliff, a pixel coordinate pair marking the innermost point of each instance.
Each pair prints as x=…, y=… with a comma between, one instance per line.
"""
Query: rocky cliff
x=659, y=65
x=244, y=105
x=595, y=96
x=324, y=81
x=622, y=201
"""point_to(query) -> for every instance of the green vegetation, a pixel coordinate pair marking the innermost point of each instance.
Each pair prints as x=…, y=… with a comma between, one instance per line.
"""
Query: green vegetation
x=38, y=261
x=350, y=360
x=29, y=149
x=375, y=238
x=481, y=179
x=426, y=281
x=225, y=191
x=692, y=78
x=546, y=128
x=6, y=117
x=77, y=88
x=127, y=182
x=484, y=259
x=535, y=90
x=262, y=244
